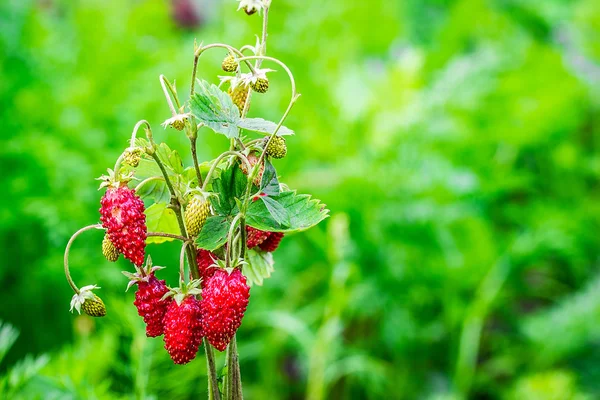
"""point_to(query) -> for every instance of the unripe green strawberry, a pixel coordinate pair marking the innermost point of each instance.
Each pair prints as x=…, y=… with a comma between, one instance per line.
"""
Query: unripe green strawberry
x=229, y=64
x=239, y=96
x=261, y=85
x=94, y=307
x=132, y=156
x=195, y=214
x=109, y=250
x=277, y=147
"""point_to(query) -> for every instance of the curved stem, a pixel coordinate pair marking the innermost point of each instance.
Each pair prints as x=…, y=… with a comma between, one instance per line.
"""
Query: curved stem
x=168, y=235
x=285, y=67
x=152, y=178
x=68, y=249
x=118, y=164
x=199, y=52
x=219, y=159
x=165, y=83
x=135, y=130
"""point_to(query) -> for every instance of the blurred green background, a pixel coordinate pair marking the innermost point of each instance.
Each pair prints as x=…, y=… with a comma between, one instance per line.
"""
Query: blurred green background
x=456, y=143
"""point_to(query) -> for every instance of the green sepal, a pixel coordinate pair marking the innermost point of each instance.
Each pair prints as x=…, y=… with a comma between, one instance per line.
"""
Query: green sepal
x=260, y=266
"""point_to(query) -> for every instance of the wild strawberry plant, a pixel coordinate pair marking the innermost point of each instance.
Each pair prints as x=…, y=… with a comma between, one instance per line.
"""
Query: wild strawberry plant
x=230, y=213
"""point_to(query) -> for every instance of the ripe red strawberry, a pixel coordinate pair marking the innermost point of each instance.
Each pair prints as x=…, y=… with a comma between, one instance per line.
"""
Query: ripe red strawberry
x=224, y=301
x=122, y=215
x=183, y=329
x=254, y=237
x=149, y=298
x=272, y=242
x=206, y=264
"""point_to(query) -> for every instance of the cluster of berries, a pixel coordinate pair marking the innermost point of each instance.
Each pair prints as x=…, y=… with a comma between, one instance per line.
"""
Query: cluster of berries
x=175, y=313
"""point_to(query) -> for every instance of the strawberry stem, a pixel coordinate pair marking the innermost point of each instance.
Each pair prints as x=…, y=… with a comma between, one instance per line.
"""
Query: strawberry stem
x=68, y=250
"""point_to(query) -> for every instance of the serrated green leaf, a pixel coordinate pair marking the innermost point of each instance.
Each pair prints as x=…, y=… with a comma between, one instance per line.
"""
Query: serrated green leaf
x=215, y=109
x=214, y=233
x=277, y=211
x=259, y=267
x=230, y=185
x=303, y=213
x=160, y=218
x=263, y=126
x=269, y=183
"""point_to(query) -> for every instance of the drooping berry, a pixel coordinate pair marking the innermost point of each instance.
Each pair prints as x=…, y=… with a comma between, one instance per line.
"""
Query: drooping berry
x=149, y=297
x=109, y=250
x=239, y=94
x=254, y=237
x=272, y=242
x=229, y=64
x=85, y=299
x=94, y=307
x=195, y=214
x=183, y=329
x=277, y=147
x=224, y=301
x=206, y=264
x=252, y=160
x=132, y=156
x=122, y=215
x=261, y=85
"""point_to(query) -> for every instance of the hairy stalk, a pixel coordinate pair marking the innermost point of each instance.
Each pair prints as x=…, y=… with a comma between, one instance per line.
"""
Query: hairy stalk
x=195, y=159
x=68, y=250
x=168, y=235
x=182, y=255
x=164, y=83
x=213, y=384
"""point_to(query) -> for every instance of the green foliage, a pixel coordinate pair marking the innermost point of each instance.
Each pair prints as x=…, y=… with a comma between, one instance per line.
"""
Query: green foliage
x=455, y=143
x=215, y=109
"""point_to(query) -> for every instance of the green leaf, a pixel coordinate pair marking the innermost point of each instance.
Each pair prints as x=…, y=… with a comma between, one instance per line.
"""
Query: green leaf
x=214, y=233
x=170, y=158
x=302, y=211
x=160, y=218
x=230, y=185
x=269, y=183
x=277, y=211
x=263, y=126
x=259, y=267
x=156, y=190
x=215, y=109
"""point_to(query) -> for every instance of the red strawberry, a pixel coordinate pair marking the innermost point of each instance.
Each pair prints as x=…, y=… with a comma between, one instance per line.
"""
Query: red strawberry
x=224, y=301
x=148, y=298
x=272, y=242
x=150, y=306
x=122, y=214
x=183, y=329
x=254, y=237
x=206, y=264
